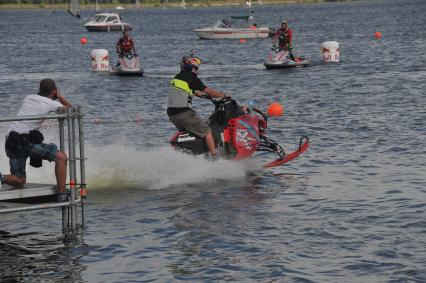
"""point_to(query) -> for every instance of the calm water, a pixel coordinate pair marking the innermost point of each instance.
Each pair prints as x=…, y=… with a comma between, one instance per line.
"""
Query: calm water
x=352, y=209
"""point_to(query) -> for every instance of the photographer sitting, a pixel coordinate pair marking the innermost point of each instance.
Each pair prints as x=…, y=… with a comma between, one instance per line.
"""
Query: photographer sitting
x=24, y=140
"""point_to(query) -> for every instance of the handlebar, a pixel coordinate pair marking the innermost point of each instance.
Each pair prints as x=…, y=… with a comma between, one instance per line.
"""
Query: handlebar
x=128, y=55
x=216, y=100
x=260, y=113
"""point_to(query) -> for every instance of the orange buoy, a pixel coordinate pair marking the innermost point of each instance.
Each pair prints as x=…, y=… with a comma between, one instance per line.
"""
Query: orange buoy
x=242, y=40
x=377, y=34
x=83, y=40
x=275, y=109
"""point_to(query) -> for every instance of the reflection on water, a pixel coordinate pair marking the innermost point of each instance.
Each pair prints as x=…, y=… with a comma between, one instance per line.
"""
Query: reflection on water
x=48, y=258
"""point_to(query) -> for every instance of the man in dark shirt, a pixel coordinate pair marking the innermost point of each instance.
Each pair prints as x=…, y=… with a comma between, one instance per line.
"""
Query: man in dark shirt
x=184, y=86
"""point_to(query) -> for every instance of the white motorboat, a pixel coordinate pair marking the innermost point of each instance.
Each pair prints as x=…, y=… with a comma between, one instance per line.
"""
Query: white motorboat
x=107, y=22
x=226, y=29
x=229, y=33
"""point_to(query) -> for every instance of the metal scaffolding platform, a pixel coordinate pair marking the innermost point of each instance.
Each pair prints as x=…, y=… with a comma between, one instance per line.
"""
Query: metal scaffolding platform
x=43, y=196
x=27, y=191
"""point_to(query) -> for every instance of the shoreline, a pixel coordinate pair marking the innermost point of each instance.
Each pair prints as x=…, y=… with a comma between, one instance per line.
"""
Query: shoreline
x=157, y=4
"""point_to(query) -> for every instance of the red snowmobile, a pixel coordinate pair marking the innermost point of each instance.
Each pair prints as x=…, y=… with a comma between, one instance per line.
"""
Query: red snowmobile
x=238, y=133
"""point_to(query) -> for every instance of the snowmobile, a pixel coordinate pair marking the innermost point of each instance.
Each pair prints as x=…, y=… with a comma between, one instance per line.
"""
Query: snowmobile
x=238, y=133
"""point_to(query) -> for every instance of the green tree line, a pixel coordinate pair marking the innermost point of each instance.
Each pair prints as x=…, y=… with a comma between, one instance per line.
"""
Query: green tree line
x=47, y=2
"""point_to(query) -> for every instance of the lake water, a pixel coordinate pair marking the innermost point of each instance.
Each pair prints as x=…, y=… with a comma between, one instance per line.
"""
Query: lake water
x=351, y=209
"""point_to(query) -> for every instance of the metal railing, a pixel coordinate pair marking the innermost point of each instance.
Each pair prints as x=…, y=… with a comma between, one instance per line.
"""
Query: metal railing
x=72, y=119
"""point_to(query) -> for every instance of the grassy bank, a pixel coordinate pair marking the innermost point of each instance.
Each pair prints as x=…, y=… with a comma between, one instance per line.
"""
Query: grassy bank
x=156, y=4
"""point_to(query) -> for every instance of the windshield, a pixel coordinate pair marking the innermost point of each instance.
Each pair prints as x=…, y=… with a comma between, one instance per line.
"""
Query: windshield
x=112, y=19
x=225, y=23
x=100, y=19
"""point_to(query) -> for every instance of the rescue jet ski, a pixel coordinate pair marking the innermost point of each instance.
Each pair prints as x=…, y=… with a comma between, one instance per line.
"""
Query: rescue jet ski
x=238, y=133
x=280, y=58
x=128, y=65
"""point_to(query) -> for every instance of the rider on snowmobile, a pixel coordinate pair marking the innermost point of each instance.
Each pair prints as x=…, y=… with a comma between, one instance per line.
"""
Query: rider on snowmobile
x=183, y=87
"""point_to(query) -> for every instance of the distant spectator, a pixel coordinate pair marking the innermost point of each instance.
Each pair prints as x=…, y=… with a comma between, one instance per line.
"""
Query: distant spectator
x=226, y=24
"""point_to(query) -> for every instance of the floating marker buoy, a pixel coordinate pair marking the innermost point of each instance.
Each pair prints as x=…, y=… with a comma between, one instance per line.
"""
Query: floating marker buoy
x=378, y=35
x=330, y=51
x=242, y=40
x=100, y=60
x=83, y=40
x=275, y=109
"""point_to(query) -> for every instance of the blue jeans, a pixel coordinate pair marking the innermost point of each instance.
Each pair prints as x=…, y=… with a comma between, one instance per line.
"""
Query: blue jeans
x=18, y=158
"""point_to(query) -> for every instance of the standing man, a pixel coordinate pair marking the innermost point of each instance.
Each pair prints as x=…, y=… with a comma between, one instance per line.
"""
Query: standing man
x=284, y=36
x=183, y=87
x=24, y=140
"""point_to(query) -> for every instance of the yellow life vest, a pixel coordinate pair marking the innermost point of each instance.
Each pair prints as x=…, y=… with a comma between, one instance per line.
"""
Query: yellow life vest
x=181, y=94
x=182, y=85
